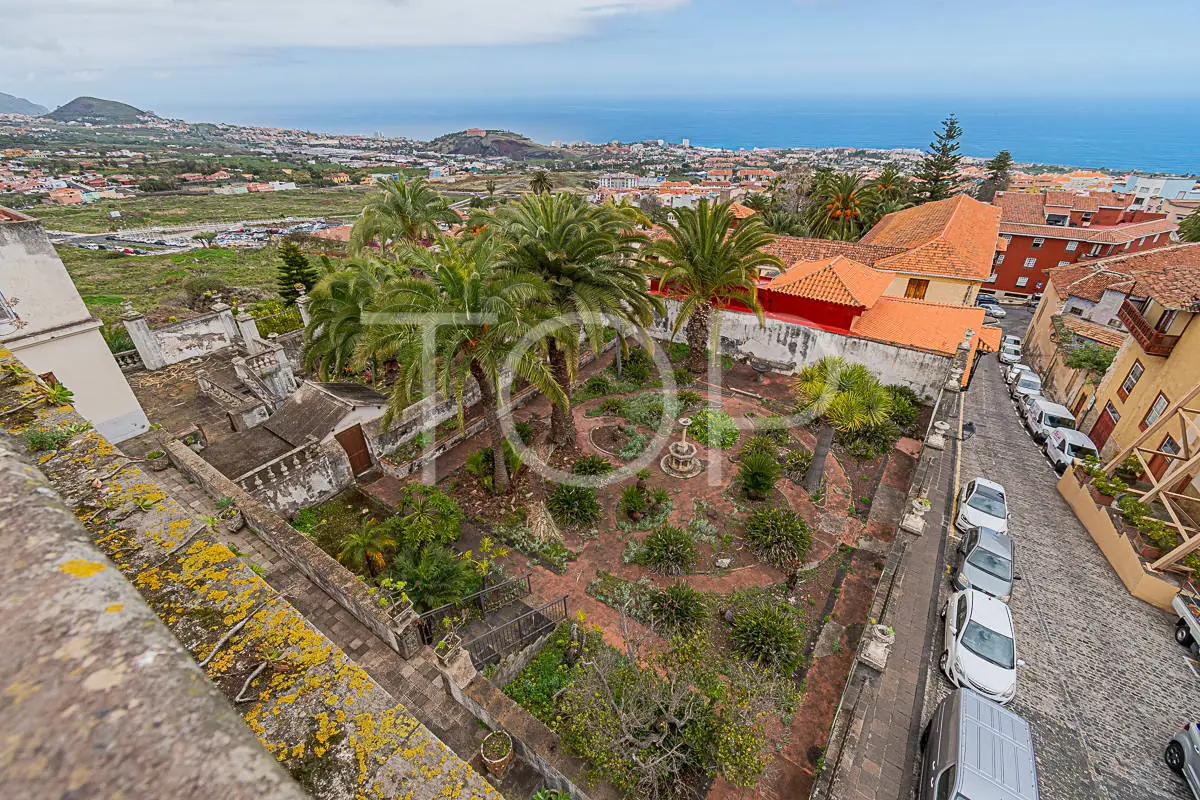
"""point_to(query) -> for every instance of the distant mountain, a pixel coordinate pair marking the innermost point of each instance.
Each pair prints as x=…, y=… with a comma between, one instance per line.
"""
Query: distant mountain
x=95, y=110
x=10, y=104
x=477, y=142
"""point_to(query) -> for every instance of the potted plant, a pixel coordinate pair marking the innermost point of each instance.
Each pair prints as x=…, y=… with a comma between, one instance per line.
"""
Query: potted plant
x=634, y=502
x=1104, y=489
x=157, y=460
x=231, y=518
x=497, y=752
x=447, y=648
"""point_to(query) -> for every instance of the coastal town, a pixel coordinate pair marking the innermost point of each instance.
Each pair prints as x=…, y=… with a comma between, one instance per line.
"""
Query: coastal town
x=343, y=466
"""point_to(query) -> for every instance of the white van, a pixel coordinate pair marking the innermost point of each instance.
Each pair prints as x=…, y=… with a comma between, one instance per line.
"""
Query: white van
x=1028, y=383
x=1042, y=416
x=1064, y=445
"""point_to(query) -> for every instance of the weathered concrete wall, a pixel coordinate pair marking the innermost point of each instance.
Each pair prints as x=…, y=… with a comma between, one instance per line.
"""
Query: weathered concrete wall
x=303, y=477
x=34, y=280
x=797, y=345
x=102, y=703
x=192, y=338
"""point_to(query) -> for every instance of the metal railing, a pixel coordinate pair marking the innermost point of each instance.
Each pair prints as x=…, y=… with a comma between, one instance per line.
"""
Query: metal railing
x=491, y=647
x=491, y=598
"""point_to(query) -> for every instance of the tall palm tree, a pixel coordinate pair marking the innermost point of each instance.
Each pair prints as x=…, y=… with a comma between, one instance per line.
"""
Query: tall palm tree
x=482, y=312
x=364, y=549
x=587, y=257
x=707, y=264
x=541, y=183
x=784, y=223
x=401, y=211
x=840, y=201
x=845, y=397
x=335, y=308
x=891, y=184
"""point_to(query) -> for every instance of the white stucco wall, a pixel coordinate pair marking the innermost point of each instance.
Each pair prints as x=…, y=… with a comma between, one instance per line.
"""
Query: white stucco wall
x=798, y=346
x=192, y=338
x=35, y=281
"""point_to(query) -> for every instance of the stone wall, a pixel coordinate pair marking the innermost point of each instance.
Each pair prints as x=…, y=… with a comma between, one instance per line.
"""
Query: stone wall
x=104, y=702
x=303, y=477
x=192, y=338
x=797, y=345
x=323, y=570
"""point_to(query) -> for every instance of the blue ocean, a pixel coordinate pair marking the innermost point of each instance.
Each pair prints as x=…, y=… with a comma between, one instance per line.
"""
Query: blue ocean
x=1152, y=135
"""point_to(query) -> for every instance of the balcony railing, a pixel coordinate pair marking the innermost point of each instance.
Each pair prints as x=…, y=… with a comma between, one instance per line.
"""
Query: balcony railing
x=1154, y=343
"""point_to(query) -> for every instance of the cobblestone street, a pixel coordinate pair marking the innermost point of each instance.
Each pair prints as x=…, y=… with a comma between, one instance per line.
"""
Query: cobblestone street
x=1104, y=685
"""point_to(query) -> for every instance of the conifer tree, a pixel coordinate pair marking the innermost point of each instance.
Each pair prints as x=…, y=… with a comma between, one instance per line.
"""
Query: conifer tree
x=294, y=268
x=999, y=175
x=940, y=165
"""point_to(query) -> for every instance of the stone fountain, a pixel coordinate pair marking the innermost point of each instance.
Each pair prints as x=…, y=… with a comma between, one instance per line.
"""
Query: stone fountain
x=680, y=460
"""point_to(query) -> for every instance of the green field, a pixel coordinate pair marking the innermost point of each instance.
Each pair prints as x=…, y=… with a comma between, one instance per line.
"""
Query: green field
x=184, y=209
x=155, y=284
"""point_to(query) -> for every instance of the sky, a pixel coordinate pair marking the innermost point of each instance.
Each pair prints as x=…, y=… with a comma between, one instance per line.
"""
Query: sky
x=195, y=58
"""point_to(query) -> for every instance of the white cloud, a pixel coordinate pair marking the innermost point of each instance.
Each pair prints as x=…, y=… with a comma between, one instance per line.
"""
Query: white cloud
x=58, y=36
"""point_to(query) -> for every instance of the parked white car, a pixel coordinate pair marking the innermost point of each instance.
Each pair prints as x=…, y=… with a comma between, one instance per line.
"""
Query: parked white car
x=1063, y=446
x=980, y=645
x=1011, y=339
x=1013, y=370
x=1042, y=416
x=996, y=312
x=1010, y=353
x=1026, y=384
x=982, y=504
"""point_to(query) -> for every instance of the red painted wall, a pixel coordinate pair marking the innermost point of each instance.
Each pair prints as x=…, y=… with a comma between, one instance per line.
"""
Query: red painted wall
x=1050, y=254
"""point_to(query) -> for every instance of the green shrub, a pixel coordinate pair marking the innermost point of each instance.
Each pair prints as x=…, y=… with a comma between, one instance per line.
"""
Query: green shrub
x=553, y=554
x=760, y=444
x=573, y=505
x=758, y=474
x=202, y=287
x=637, y=365
x=1132, y=509
x=597, y=386
x=425, y=515
x=775, y=428
x=524, y=432
x=634, y=445
x=678, y=608
x=433, y=576
x=797, y=462
x=669, y=551
x=536, y=688
x=683, y=377
x=688, y=398
x=714, y=429
x=872, y=441
x=648, y=409
x=480, y=463
x=633, y=500
x=905, y=407
x=769, y=634
x=612, y=407
x=592, y=465
x=778, y=536
x=42, y=439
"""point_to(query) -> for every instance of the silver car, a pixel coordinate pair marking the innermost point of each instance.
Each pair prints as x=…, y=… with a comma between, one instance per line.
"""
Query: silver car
x=985, y=563
x=1183, y=755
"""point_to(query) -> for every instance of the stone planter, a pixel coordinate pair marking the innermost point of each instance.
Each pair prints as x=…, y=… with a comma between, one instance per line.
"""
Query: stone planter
x=497, y=753
x=876, y=646
x=157, y=463
x=448, y=649
x=232, y=520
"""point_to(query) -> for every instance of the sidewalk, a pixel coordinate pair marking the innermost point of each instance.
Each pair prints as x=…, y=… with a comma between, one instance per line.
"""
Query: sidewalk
x=873, y=749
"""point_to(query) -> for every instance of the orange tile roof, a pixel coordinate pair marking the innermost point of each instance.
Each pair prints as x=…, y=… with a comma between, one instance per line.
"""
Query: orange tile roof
x=1021, y=207
x=1100, y=334
x=1116, y=234
x=833, y=280
x=952, y=238
x=1170, y=276
x=934, y=327
x=740, y=211
x=989, y=338
x=790, y=249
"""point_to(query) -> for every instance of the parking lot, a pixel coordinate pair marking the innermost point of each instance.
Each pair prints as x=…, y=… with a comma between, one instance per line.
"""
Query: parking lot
x=1104, y=685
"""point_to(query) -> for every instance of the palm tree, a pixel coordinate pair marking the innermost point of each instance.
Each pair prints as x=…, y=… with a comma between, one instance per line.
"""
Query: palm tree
x=586, y=256
x=784, y=223
x=845, y=397
x=840, y=201
x=1189, y=227
x=401, y=211
x=541, y=182
x=707, y=264
x=364, y=548
x=335, y=308
x=891, y=185
x=490, y=310
x=490, y=186
x=433, y=576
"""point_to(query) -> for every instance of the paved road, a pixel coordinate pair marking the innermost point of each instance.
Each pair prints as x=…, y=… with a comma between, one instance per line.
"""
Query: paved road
x=1104, y=686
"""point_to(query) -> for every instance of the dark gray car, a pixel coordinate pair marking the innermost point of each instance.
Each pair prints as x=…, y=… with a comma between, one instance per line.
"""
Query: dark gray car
x=985, y=562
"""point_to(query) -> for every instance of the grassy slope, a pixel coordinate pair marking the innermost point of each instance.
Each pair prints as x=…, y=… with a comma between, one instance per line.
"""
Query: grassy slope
x=182, y=209
x=155, y=283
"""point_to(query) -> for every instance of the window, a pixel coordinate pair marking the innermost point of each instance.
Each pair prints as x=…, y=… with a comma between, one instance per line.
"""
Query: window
x=1030, y=262
x=1164, y=322
x=1087, y=216
x=1072, y=246
x=1135, y=374
x=916, y=288
x=1064, y=263
x=960, y=617
x=991, y=278
x=1007, y=237
x=1155, y=239
x=1127, y=244
x=1169, y=445
x=1038, y=242
x=999, y=258
x=1095, y=251
x=946, y=784
x=1141, y=241
x=1022, y=281
x=1076, y=310
x=1156, y=410
x=1111, y=410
